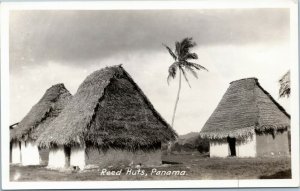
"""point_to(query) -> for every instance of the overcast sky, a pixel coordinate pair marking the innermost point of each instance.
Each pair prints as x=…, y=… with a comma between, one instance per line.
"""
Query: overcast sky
x=49, y=47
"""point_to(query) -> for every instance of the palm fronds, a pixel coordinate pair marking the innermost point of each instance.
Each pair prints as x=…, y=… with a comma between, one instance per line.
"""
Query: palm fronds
x=190, y=56
x=192, y=71
x=285, y=88
x=172, y=71
x=181, y=56
x=194, y=65
x=171, y=52
x=185, y=76
x=185, y=45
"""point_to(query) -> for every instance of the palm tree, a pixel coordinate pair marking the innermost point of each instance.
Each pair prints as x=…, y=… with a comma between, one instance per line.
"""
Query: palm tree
x=285, y=88
x=182, y=57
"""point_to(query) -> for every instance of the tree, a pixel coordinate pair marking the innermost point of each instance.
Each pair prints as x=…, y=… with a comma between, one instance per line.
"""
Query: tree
x=285, y=88
x=182, y=57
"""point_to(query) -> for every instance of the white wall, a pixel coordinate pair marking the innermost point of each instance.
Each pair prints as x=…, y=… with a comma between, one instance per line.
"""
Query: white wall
x=218, y=149
x=247, y=148
x=57, y=158
x=16, y=153
x=30, y=153
x=77, y=157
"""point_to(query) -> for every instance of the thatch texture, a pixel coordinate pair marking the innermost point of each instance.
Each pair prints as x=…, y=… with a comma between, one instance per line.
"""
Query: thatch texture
x=108, y=110
x=245, y=106
x=12, y=130
x=42, y=113
x=285, y=86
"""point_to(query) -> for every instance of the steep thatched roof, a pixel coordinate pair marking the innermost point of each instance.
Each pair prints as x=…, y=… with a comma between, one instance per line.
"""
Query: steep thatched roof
x=285, y=87
x=109, y=110
x=244, y=107
x=42, y=113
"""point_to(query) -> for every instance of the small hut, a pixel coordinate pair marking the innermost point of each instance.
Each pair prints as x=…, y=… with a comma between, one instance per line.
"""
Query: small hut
x=248, y=122
x=109, y=120
x=15, y=146
x=34, y=123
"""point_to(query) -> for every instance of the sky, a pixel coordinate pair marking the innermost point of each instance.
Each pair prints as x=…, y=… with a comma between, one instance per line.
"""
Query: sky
x=50, y=47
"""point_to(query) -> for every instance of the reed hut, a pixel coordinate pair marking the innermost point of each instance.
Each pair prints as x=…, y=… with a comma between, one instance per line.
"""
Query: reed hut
x=15, y=146
x=108, y=120
x=34, y=123
x=248, y=122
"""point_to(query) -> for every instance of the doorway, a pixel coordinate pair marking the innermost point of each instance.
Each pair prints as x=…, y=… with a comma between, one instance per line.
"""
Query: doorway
x=67, y=151
x=231, y=142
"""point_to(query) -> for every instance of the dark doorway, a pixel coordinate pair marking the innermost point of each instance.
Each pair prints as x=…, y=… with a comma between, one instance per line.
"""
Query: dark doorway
x=68, y=155
x=231, y=142
x=10, y=149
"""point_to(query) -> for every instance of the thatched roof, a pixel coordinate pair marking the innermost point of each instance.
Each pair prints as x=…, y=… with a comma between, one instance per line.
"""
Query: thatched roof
x=109, y=110
x=42, y=113
x=12, y=126
x=285, y=87
x=245, y=107
x=12, y=130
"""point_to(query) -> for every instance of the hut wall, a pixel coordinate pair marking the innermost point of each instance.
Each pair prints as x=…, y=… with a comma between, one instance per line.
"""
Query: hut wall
x=267, y=145
x=247, y=147
x=57, y=158
x=15, y=152
x=122, y=157
x=77, y=157
x=44, y=156
x=30, y=153
x=218, y=148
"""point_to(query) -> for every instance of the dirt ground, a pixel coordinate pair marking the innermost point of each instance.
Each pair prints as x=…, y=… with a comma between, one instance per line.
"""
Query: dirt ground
x=178, y=167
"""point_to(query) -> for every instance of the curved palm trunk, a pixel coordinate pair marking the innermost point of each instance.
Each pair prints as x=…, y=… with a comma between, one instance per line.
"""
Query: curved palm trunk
x=177, y=98
x=174, y=112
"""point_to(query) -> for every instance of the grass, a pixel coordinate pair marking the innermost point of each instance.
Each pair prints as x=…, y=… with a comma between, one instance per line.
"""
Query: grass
x=196, y=167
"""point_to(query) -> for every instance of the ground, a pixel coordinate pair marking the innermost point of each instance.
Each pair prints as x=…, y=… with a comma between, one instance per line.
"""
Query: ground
x=190, y=167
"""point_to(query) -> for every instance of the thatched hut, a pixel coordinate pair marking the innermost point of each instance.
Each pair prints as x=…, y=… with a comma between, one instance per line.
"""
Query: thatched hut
x=35, y=122
x=109, y=120
x=15, y=146
x=248, y=122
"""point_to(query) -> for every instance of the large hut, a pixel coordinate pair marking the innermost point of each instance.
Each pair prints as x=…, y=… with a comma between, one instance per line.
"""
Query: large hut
x=248, y=122
x=109, y=120
x=35, y=122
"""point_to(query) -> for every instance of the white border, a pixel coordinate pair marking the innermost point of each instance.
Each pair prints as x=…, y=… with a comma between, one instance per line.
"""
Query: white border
x=134, y=5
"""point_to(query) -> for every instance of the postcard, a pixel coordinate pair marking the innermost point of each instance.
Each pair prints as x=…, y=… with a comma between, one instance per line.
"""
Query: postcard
x=149, y=94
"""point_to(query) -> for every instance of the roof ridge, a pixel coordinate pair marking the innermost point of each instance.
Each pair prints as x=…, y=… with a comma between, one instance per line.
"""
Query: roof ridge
x=273, y=100
x=249, y=78
x=148, y=102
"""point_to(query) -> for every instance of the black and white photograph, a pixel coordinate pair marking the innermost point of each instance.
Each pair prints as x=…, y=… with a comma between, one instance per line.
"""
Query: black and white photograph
x=135, y=93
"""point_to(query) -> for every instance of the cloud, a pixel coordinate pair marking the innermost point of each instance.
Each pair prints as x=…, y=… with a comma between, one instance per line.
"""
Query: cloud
x=149, y=70
x=80, y=37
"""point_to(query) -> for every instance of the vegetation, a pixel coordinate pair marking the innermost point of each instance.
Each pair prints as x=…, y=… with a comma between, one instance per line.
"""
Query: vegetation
x=182, y=57
x=285, y=87
x=190, y=143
